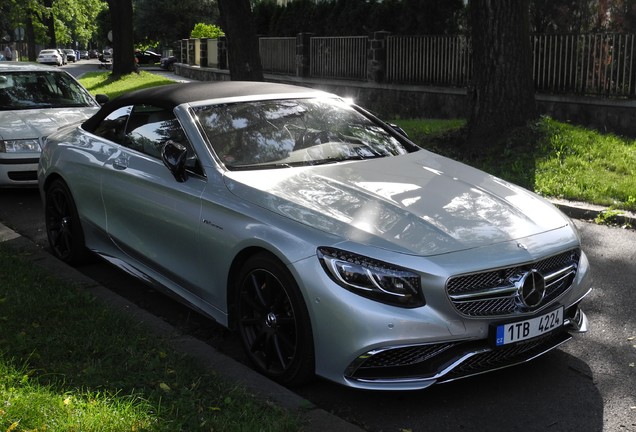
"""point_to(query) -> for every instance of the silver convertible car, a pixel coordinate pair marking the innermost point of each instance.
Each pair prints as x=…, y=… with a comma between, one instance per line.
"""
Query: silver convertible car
x=35, y=101
x=334, y=245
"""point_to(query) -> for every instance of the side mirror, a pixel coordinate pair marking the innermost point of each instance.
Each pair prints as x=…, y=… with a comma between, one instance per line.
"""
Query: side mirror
x=101, y=99
x=174, y=156
x=398, y=129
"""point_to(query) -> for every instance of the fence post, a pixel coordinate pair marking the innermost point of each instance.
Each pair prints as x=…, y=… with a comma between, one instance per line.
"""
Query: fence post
x=221, y=55
x=183, y=55
x=303, y=56
x=376, y=56
x=203, y=52
x=191, y=52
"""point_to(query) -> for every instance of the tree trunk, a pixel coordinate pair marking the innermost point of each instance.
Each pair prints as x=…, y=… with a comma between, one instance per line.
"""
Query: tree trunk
x=242, y=44
x=30, y=36
x=501, y=94
x=49, y=22
x=121, y=13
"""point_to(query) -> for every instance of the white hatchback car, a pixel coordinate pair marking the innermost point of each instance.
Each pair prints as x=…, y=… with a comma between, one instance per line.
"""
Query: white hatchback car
x=50, y=56
x=35, y=101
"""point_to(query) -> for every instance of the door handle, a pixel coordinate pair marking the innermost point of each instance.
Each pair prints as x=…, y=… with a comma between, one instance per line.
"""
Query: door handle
x=120, y=163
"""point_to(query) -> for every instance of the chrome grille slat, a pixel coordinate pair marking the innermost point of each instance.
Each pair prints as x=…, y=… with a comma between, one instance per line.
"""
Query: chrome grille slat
x=405, y=356
x=490, y=293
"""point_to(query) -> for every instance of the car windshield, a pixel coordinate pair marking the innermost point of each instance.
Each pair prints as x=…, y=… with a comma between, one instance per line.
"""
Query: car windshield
x=295, y=132
x=40, y=89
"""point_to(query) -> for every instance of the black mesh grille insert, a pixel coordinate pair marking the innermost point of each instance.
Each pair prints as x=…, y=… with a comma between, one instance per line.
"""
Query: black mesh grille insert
x=474, y=288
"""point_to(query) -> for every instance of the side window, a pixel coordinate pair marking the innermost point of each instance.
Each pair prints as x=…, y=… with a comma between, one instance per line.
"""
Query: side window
x=113, y=127
x=149, y=128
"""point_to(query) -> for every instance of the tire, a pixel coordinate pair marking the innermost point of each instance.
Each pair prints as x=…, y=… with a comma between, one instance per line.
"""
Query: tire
x=63, y=228
x=273, y=322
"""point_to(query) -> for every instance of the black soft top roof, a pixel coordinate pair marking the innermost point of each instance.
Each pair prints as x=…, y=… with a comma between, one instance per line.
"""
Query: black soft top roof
x=171, y=95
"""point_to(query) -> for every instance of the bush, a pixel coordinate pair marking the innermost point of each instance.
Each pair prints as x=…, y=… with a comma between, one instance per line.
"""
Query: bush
x=202, y=30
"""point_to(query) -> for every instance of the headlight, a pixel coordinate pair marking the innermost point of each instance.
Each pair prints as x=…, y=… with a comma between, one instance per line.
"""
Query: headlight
x=373, y=279
x=19, y=146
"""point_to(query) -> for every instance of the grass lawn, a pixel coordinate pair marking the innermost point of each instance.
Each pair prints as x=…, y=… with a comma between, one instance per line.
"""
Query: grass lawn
x=69, y=363
x=103, y=83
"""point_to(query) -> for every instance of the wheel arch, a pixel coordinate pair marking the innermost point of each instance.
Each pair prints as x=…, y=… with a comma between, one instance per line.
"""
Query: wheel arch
x=234, y=273
x=50, y=179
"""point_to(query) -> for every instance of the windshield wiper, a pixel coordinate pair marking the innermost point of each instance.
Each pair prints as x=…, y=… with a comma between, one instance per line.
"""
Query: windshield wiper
x=343, y=159
x=276, y=165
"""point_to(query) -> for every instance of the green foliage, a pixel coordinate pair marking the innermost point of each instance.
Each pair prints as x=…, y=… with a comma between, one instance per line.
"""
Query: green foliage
x=359, y=17
x=74, y=20
x=167, y=21
x=202, y=30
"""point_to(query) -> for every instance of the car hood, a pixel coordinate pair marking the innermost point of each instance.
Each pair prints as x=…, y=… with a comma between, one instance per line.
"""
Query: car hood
x=420, y=203
x=35, y=123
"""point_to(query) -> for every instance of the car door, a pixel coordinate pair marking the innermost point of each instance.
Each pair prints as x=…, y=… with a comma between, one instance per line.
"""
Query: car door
x=151, y=217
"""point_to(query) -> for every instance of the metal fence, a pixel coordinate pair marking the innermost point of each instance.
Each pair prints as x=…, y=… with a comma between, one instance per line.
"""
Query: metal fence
x=438, y=60
x=590, y=64
x=586, y=64
x=339, y=57
x=278, y=55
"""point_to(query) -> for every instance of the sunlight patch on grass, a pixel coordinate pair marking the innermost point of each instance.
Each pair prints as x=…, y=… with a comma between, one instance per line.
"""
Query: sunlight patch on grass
x=104, y=83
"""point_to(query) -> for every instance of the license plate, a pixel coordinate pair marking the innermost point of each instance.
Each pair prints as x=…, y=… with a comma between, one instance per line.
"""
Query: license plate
x=522, y=330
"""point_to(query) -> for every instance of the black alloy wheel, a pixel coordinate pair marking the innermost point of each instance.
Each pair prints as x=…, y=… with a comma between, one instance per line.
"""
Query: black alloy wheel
x=63, y=228
x=273, y=321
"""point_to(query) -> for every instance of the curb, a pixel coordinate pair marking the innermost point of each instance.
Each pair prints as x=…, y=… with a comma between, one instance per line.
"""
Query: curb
x=589, y=212
x=312, y=418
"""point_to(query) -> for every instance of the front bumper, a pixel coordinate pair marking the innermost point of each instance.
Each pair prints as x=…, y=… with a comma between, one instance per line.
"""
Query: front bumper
x=364, y=344
x=417, y=367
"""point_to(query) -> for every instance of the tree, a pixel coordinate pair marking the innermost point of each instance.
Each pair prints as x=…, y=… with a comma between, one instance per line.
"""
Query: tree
x=501, y=94
x=563, y=16
x=121, y=12
x=243, y=53
x=51, y=23
x=165, y=21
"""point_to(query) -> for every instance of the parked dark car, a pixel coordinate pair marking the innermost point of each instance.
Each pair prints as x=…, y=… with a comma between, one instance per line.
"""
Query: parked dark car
x=70, y=55
x=147, y=57
x=167, y=63
x=93, y=53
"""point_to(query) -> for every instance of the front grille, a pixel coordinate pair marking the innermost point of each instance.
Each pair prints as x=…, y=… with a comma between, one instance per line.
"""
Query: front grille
x=493, y=293
x=448, y=361
x=23, y=175
x=506, y=356
x=405, y=356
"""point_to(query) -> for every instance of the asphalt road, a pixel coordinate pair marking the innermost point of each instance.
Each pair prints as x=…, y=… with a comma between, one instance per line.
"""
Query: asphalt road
x=589, y=384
